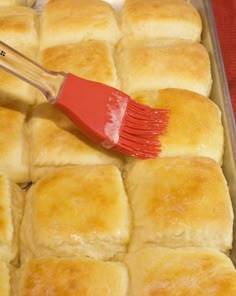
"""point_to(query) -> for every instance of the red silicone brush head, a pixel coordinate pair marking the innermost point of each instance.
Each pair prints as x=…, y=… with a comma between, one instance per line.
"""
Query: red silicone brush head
x=140, y=129
x=111, y=118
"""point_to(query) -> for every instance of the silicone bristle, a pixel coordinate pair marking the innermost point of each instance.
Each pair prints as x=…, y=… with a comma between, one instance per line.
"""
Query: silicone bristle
x=140, y=130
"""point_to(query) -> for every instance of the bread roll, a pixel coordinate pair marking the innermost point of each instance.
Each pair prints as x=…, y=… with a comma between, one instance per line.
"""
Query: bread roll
x=56, y=142
x=187, y=271
x=19, y=29
x=180, y=202
x=71, y=21
x=154, y=19
x=91, y=60
x=155, y=65
x=77, y=211
x=194, y=127
x=72, y=276
x=11, y=204
x=13, y=143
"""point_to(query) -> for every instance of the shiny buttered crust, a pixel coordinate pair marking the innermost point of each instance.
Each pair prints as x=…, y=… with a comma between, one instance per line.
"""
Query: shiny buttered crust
x=65, y=22
x=90, y=59
x=77, y=211
x=13, y=144
x=164, y=64
x=11, y=205
x=179, y=202
x=154, y=19
x=194, y=127
x=187, y=271
x=19, y=29
x=55, y=141
x=72, y=277
x=4, y=279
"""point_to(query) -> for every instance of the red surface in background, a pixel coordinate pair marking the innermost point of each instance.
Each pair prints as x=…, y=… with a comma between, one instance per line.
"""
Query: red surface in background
x=225, y=18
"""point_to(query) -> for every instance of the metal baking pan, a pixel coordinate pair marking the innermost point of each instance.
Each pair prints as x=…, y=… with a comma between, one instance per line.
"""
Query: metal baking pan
x=219, y=94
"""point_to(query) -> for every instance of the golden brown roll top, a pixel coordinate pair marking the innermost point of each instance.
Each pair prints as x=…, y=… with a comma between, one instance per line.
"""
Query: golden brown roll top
x=11, y=205
x=179, y=202
x=155, y=65
x=91, y=59
x=157, y=19
x=78, y=211
x=168, y=272
x=19, y=26
x=152, y=271
x=65, y=22
x=72, y=276
x=194, y=127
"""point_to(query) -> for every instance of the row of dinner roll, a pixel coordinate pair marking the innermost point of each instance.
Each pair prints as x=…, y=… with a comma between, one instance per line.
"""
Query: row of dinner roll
x=76, y=217
x=96, y=48
x=156, y=20
x=191, y=209
x=34, y=142
x=180, y=61
x=76, y=22
x=54, y=141
x=92, y=211
x=150, y=271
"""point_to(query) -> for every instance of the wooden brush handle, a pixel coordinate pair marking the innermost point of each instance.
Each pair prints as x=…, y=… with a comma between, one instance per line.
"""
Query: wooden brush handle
x=24, y=68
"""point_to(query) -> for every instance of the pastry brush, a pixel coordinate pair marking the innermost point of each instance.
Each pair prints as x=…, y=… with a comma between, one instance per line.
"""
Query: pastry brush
x=103, y=113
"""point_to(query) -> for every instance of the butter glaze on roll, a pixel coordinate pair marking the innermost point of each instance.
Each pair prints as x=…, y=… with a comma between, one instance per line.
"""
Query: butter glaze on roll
x=78, y=211
x=179, y=202
x=186, y=271
x=194, y=127
x=72, y=276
